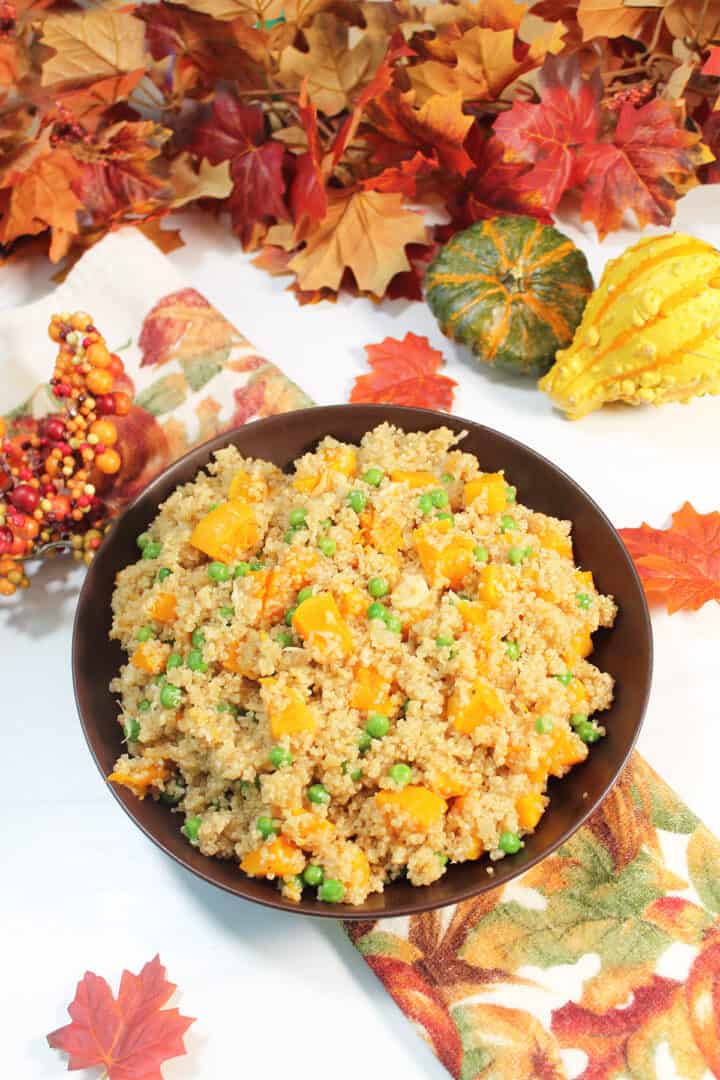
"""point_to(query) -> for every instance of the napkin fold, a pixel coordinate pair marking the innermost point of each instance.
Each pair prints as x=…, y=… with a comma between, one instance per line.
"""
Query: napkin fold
x=603, y=961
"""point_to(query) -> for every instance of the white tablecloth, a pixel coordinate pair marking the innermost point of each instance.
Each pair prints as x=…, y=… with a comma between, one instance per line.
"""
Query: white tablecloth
x=278, y=996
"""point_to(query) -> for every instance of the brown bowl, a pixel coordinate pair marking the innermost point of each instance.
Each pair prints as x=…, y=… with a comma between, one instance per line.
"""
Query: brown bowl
x=625, y=651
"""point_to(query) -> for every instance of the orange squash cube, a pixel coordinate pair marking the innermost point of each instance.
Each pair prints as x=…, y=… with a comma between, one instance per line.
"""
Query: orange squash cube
x=447, y=785
x=491, y=582
x=370, y=691
x=227, y=532
x=139, y=780
x=567, y=749
x=279, y=858
x=295, y=718
x=556, y=541
x=287, y=578
x=443, y=553
x=318, y=622
x=149, y=658
x=413, y=478
x=530, y=808
x=490, y=485
x=422, y=806
x=164, y=607
x=482, y=705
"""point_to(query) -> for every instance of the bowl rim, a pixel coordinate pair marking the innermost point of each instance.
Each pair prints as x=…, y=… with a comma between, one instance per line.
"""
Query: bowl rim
x=273, y=898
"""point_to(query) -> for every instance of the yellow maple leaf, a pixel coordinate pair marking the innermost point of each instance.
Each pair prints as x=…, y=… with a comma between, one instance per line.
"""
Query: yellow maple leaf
x=364, y=231
x=610, y=18
x=208, y=182
x=251, y=11
x=41, y=197
x=92, y=45
x=333, y=69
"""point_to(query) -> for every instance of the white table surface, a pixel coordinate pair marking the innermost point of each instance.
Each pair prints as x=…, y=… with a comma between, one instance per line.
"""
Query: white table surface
x=81, y=888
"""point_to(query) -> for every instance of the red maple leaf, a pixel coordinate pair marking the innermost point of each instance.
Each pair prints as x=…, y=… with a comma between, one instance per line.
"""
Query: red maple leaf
x=130, y=1037
x=308, y=197
x=712, y=64
x=237, y=134
x=402, y=177
x=119, y=180
x=405, y=373
x=679, y=566
x=644, y=169
x=552, y=135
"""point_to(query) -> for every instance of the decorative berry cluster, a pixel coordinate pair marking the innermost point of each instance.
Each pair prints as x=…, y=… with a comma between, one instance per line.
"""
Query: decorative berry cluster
x=52, y=469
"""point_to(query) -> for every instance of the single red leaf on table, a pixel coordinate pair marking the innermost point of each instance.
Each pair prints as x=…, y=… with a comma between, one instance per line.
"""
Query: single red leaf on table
x=131, y=1036
x=552, y=136
x=679, y=566
x=405, y=373
x=648, y=165
x=712, y=64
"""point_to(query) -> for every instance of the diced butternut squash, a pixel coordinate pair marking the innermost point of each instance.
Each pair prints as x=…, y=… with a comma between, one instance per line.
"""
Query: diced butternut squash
x=585, y=581
x=311, y=829
x=295, y=718
x=339, y=459
x=318, y=622
x=566, y=750
x=530, y=808
x=279, y=857
x=422, y=806
x=442, y=552
x=448, y=785
x=494, y=489
x=360, y=872
x=465, y=713
x=245, y=486
x=577, y=694
x=370, y=691
x=286, y=579
x=414, y=478
x=164, y=607
x=474, y=616
x=353, y=602
x=139, y=779
x=227, y=532
x=581, y=644
x=149, y=657
x=491, y=581
x=556, y=541
x=381, y=533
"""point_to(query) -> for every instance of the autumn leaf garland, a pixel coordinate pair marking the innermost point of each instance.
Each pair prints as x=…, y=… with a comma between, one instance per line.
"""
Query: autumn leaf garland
x=329, y=131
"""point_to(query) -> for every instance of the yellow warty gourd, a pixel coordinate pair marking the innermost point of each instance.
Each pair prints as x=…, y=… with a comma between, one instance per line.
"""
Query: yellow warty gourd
x=650, y=333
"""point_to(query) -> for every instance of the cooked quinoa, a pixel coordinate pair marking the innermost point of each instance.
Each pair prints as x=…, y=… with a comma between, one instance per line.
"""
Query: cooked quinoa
x=364, y=668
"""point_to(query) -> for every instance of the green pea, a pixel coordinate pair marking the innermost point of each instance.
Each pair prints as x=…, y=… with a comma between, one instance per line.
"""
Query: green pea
x=516, y=555
x=289, y=536
x=510, y=843
x=439, y=498
x=512, y=650
x=441, y=857
x=377, y=587
x=446, y=517
x=242, y=569
x=218, y=571
x=170, y=696
x=289, y=615
x=151, y=550
x=377, y=725
x=481, y=553
x=296, y=517
x=198, y=638
x=143, y=540
x=373, y=476
x=313, y=875
x=565, y=678
x=364, y=742
x=326, y=523
x=583, y=600
x=163, y=573
x=285, y=639
x=444, y=641
x=279, y=756
x=226, y=612
x=425, y=503
x=327, y=545
x=145, y=633
x=377, y=611
x=255, y=565
x=304, y=594
x=174, y=660
x=356, y=775
x=144, y=705
x=578, y=718
x=318, y=793
x=227, y=706
x=400, y=773
x=507, y=523
x=267, y=826
x=357, y=501
x=510, y=493
x=589, y=732
x=331, y=891
x=131, y=729
x=393, y=622
x=191, y=828
x=543, y=725
x=195, y=661
x=404, y=706
x=447, y=478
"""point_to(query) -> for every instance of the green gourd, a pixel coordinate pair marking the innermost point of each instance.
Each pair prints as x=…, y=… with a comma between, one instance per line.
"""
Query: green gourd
x=512, y=289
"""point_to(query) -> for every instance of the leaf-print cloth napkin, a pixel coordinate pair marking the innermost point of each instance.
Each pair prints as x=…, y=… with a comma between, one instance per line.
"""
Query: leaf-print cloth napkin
x=192, y=372
x=600, y=963
x=603, y=962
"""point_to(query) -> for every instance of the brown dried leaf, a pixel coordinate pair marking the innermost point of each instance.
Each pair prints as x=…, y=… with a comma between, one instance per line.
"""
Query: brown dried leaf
x=250, y=11
x=332, y=68
x=208, y=182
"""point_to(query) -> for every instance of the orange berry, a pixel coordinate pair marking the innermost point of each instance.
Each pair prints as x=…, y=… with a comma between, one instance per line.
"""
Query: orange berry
x=98, y=356
x=116, y=365
x=99, y=381
x=122, y=402
x=6, y=587
x=3, y=427
x=54, y=330
x=80, y=320
x=108, y=462
x=105, y=431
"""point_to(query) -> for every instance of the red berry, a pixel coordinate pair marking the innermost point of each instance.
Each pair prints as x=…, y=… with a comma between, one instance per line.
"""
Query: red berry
x=104, y=404
x=84, y=500
x=25, y=498
x=55, y=428
x=6, y=539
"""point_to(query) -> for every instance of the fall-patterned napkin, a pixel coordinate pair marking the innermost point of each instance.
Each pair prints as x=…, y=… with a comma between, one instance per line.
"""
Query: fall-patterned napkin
x=192, y=372
x=600, y=963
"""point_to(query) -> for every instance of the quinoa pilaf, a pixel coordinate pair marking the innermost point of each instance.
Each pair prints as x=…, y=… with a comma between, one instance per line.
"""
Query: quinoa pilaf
x=364, y=669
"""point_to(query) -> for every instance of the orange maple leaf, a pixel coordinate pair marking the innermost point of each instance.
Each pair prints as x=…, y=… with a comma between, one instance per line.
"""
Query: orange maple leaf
x=405, y=373
x=679, y=566
x=41, y=197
